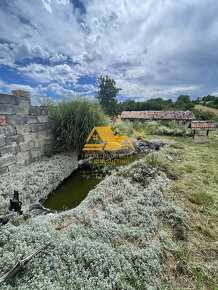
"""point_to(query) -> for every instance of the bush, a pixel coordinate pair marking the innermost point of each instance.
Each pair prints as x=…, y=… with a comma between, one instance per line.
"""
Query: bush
x=204, y=115
x=73, y=121
x=151, y=128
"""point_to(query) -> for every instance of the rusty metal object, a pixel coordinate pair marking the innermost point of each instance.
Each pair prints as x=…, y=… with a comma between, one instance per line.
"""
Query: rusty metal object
x=21, y=265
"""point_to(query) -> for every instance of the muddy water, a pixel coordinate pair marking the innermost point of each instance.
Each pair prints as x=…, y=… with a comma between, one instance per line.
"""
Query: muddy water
x=75, y=188
x=71, y=191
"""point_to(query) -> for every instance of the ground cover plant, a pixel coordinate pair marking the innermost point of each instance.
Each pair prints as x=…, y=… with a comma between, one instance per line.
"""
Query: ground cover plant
x=149, y=225
x=115, y=239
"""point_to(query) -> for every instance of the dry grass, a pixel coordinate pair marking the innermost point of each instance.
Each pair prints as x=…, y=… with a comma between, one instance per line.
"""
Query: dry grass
x=195, y=190
x=205, y=109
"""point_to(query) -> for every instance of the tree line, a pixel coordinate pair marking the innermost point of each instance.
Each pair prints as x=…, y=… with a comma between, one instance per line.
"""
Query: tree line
x=107, y=93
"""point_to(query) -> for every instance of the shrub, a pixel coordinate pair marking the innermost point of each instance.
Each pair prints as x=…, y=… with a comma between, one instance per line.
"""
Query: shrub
x=151, y=128
x=73, y=121
x=204, y=115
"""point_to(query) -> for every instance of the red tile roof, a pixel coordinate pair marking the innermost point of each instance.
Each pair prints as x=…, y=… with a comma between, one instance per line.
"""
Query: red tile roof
x=203, y=125
x=158, y=115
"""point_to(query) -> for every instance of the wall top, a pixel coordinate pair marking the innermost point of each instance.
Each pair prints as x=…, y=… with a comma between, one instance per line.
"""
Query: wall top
x=20, y=93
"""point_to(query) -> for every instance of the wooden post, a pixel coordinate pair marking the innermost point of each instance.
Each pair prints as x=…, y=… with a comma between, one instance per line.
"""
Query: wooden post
x=193, y=134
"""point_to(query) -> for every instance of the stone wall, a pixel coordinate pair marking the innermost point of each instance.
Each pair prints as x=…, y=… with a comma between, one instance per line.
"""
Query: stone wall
x=200, y=138
x=25, y=131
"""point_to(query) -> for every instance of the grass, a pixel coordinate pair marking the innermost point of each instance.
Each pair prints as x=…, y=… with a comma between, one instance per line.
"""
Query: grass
x=193, y=171
x=205, y=109
x=73, y=121
x=195, y=190
x=201, y=198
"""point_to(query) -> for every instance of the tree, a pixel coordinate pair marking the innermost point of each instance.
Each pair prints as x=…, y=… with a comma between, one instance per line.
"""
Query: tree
x=183, y=102
x=107, y=94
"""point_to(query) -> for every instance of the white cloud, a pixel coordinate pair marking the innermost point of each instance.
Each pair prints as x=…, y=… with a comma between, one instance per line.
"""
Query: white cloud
x=151, y=48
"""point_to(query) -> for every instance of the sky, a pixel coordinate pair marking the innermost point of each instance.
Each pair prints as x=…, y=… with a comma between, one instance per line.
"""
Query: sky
x=151, y=48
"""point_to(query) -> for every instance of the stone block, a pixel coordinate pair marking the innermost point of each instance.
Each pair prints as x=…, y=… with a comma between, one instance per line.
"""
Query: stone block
x=37, y=152
x=45, y=111
x=22, y=129
x=16, y=166
x=15, y=120
x=40, y=143
x=6, y=109
x=9, y=130
x=2, y=131
x=3, y=170
x=43, y=119
x=14, y=139
x=200, y=139
x=22, y=156
x=2, y=141
x=23, y=101
x=7, y=160
x=8, y=150
x=36, y=111
x=29, y=137
x=26, y=146
x=31, y=119
x=42, y=135
x=7, y=99
x=40, y=127
x=17, y=110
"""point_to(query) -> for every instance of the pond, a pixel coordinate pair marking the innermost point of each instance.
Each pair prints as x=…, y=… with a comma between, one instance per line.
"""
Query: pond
x=76, y=187
x=71, y=191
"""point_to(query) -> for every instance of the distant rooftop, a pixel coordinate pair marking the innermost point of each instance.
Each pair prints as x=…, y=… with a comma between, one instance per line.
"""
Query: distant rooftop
x=203, y=125
x=158, y=115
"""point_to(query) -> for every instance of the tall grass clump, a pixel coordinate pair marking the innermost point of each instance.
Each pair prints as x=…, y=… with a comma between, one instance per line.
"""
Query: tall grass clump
x=73, y=121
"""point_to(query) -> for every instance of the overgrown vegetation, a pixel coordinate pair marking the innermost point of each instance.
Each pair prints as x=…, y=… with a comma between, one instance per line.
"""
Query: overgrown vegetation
x=73, y=121
x=139, y=130
x=194, y=189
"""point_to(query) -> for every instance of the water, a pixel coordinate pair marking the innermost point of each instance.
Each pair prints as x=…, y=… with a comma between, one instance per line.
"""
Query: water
x=72, y=191
x=75, y=188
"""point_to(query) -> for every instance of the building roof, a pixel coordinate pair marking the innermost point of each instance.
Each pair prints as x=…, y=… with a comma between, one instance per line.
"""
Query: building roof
x=158, y=115
x=203, y=125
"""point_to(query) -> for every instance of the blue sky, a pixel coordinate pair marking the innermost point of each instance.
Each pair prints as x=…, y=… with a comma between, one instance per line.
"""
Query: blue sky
x=153, y=48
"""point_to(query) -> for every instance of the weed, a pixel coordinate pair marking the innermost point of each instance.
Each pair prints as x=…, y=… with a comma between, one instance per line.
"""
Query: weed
x=201, y=198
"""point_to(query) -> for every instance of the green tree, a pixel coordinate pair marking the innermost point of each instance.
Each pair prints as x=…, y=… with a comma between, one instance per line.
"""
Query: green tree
x=107, y=94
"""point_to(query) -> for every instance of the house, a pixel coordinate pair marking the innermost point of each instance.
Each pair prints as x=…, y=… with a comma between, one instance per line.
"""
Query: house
x=183, y=117
x=102, y=138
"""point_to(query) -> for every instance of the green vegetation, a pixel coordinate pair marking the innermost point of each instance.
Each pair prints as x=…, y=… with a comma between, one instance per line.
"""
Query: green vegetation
x=139, y=130
x=201, y=198
x=204, y=115
x=210, y=101
x=107, y=94
x=196, y=191
x=206, y=109
x=73, y=121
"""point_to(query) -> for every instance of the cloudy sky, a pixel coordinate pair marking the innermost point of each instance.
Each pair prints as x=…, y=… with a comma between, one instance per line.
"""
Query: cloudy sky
x=152, y=48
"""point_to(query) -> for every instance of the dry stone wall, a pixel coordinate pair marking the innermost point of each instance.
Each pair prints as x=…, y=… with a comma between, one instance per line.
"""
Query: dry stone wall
x=25, y=131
